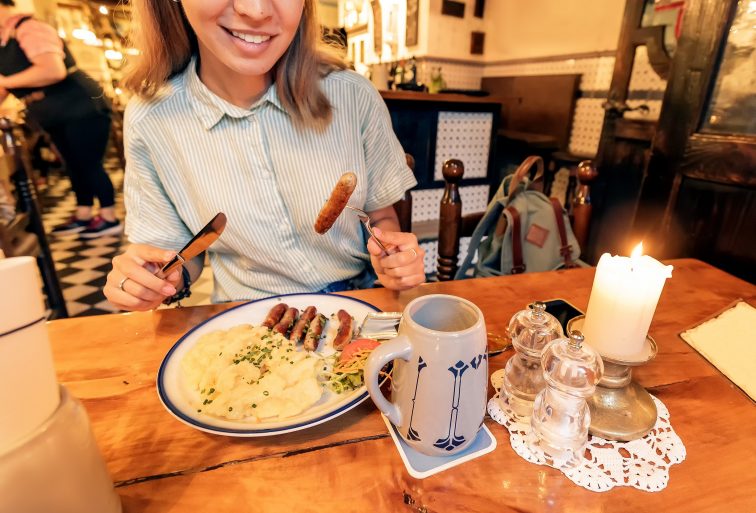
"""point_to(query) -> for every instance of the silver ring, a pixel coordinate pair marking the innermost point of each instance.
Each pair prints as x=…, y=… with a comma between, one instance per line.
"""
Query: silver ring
x=120, y=284
x=414, y=253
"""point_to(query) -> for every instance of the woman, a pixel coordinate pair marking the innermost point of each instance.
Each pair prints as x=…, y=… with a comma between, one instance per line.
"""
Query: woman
x=240, y=112
x=37, y=68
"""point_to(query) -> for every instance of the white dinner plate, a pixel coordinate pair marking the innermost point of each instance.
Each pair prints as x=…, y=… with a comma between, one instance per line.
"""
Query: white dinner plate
x=176, y=398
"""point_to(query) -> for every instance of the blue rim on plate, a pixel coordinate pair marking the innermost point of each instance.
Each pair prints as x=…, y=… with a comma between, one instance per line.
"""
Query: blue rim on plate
x=251, y=431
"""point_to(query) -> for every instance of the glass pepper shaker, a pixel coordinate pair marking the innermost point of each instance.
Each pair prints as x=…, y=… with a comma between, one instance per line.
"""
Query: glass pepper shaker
x=531, y=330
x=560, y=414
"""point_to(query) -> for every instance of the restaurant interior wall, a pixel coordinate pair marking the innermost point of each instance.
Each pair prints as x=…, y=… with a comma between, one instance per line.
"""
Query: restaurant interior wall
x=548, y=37
x=543, y=28
x=522, y=38
x=358, y=18
x=449, y=36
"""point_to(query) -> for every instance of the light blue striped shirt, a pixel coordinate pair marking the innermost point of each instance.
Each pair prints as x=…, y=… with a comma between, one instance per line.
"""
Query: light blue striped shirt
x=191, y=154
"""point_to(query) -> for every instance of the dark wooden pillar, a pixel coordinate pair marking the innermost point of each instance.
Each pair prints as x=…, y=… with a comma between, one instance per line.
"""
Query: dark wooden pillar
x=582, y=207
x=450, y=220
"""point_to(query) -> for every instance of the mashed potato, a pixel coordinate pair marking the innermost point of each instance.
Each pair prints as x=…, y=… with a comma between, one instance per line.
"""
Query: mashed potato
x=251, y=373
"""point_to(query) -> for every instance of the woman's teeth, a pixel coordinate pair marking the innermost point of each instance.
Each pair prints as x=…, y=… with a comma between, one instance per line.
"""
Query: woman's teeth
x=250, y=38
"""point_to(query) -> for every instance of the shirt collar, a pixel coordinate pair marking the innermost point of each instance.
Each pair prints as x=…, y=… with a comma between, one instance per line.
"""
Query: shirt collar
x=210, y=108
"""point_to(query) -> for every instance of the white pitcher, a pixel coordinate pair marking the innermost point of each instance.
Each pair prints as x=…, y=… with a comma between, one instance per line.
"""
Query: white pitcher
x=440, y=378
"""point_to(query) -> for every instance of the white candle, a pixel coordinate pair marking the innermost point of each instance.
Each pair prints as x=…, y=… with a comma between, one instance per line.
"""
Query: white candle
x=29, y=391
x=622, y=303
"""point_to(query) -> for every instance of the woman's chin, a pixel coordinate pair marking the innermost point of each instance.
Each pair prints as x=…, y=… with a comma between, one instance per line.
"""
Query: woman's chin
x=249, y=66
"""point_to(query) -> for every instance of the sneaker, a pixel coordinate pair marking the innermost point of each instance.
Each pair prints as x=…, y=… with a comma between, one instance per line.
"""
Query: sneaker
x=73, y=225
x=99, y=227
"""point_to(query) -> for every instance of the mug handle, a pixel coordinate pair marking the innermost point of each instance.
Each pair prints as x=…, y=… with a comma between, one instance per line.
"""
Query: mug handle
x=399, y=347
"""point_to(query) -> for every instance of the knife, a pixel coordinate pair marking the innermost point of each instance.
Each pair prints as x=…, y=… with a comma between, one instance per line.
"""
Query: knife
x=199, y=243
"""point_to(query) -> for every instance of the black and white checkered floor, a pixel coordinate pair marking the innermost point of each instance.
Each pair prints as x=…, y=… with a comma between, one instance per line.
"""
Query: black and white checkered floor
x=83, y=264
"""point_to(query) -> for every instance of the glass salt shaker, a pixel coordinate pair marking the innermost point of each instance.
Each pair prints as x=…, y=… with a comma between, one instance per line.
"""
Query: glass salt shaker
x=531, y=330
x=560, y=414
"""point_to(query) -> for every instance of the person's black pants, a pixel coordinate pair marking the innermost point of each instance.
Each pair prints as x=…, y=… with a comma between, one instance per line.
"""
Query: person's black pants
x=82, y=144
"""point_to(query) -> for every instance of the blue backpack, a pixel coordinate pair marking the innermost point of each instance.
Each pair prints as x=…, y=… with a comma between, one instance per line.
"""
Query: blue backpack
x=521, y=231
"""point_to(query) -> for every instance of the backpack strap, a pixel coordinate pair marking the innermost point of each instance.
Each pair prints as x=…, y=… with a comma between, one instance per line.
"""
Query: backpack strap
x=566, y=249
x=493, y=212
x=523, y=171
x=518, y=266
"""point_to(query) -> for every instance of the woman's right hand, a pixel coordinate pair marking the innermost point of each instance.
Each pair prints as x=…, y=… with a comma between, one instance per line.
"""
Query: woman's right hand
x=132, y=284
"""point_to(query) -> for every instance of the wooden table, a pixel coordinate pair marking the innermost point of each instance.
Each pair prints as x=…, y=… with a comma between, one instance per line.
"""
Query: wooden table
x=351, y=464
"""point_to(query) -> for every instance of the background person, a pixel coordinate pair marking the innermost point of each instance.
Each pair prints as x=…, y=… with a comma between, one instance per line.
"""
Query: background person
x=37, y=68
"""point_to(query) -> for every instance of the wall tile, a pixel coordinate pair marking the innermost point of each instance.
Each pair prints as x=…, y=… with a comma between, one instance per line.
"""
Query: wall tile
x=465, y=136
x=425, y=203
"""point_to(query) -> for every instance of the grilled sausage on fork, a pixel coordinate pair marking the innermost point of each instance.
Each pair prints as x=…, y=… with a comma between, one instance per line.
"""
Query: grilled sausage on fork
x=336, y=203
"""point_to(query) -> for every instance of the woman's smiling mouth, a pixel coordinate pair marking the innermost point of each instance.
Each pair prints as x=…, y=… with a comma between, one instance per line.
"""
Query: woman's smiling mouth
x=247, y=37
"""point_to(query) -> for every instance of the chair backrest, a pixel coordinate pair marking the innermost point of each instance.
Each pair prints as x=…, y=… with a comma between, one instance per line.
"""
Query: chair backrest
x=403, y=207
x=29, y=220
x=453, y=225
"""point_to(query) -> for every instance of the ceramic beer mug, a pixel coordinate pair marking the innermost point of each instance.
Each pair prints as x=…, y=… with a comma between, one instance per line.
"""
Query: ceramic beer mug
x=440, y=378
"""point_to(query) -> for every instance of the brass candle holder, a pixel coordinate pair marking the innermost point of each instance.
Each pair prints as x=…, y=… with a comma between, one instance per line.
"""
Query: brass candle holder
x=621, y=409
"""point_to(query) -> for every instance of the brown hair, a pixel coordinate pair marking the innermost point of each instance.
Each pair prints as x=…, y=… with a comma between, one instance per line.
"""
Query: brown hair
x=167, y=42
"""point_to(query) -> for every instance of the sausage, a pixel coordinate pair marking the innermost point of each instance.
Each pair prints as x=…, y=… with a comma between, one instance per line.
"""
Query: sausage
x=287, y=321
x=313, y=333
x=275, y=315
x=336, y=203
x=298, y=331
x=344, y=334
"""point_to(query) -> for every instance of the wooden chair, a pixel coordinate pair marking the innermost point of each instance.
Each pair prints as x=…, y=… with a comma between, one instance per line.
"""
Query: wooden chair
x=25, y=234
x=403, y=207
x=452, y=225
x=581, y=208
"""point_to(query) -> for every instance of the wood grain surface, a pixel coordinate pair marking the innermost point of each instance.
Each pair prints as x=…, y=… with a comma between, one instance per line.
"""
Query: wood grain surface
x=350, y=463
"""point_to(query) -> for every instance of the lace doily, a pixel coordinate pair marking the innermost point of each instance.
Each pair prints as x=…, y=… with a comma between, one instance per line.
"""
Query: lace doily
x=643, y=463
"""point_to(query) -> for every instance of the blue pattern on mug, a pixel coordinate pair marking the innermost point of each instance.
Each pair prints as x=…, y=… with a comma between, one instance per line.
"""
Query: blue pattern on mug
x=412, y=434
x=475, y=362
x=452, y=439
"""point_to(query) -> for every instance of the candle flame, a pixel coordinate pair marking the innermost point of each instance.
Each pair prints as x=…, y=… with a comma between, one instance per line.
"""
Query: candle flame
x=638, y=251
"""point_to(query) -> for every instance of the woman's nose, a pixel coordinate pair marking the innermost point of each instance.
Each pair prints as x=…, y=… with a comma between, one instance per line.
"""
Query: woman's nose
x=255, y=9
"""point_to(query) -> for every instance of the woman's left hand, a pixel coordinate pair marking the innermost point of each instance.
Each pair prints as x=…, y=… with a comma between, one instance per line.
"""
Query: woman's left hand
x=403, y=268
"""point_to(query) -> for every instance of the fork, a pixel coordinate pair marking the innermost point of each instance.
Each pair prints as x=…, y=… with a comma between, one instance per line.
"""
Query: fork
x=365, y=220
